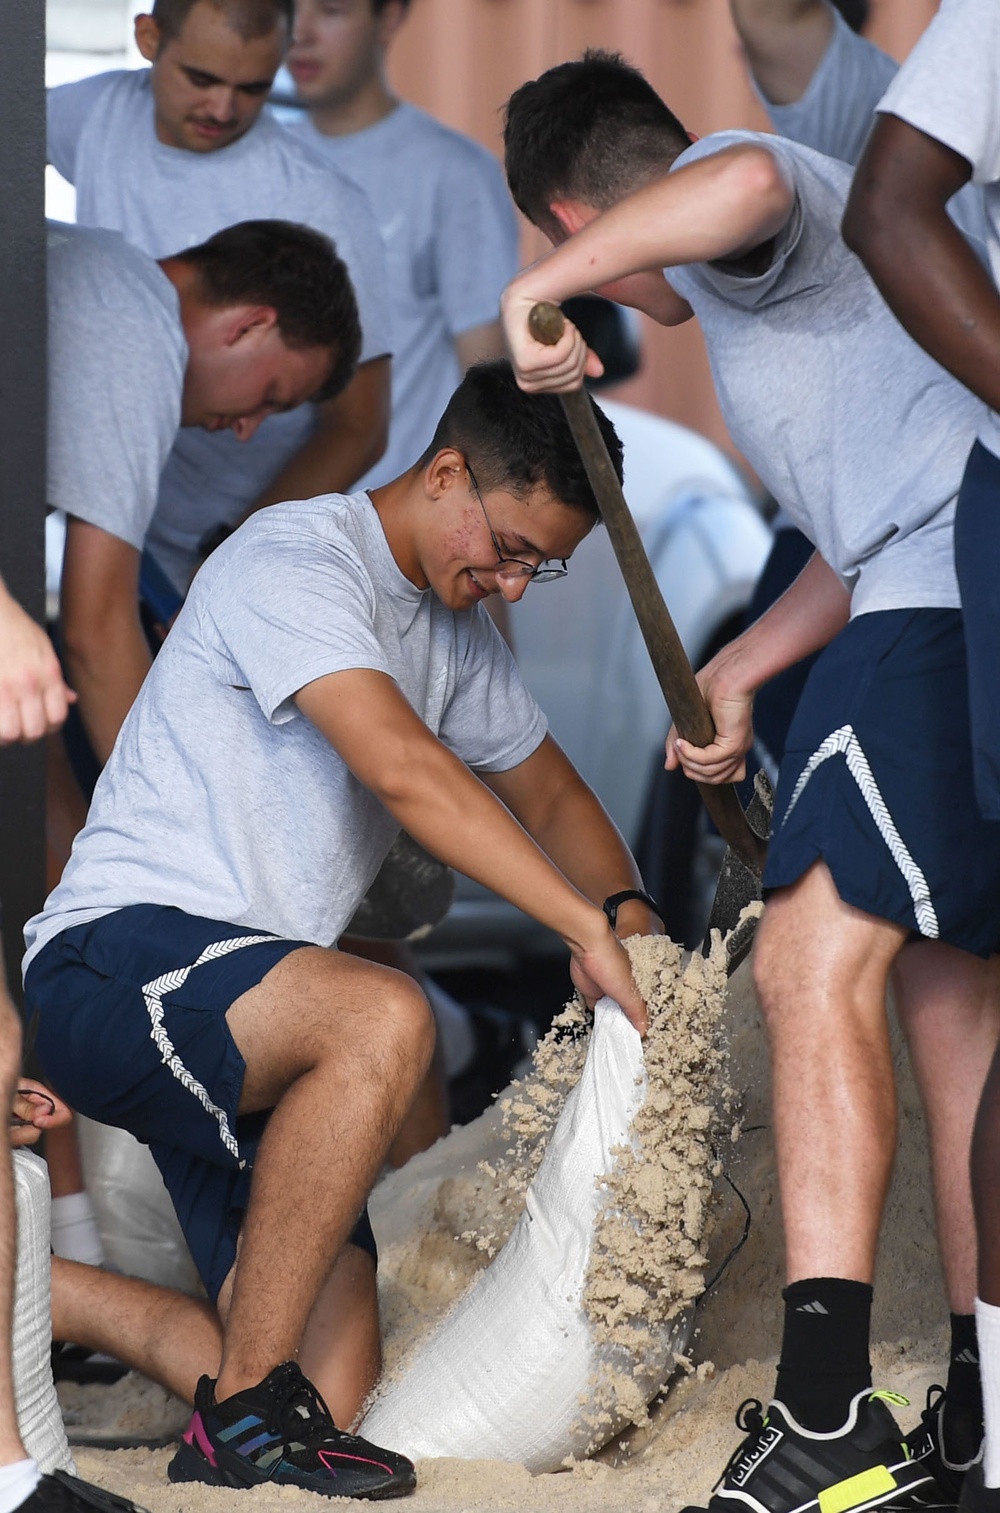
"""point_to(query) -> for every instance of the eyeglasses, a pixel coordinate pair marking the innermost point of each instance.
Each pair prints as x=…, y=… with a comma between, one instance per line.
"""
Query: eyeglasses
x=513, y=567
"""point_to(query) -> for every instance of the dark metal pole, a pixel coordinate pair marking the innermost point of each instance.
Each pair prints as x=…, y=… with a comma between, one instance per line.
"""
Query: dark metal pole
x=22, y=433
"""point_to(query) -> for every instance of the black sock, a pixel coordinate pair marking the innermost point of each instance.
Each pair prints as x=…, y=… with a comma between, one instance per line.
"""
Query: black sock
x=963, y=1409
x=824, y=1350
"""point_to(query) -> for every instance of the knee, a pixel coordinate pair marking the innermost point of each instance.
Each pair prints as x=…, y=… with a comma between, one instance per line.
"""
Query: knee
x=407, y=1022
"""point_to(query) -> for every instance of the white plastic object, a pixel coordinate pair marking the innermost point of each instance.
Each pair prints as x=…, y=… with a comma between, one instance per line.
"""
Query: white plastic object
x=139, y=1229
x=512, y=1373
x=38, y=1416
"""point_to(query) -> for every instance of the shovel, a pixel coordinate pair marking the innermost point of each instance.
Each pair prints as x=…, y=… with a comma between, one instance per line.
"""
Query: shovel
x=745, y=834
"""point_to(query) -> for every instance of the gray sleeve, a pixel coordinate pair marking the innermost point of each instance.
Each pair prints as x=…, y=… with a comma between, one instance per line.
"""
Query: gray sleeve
x=114, y=410
x=491, y=722
x=835, y=114
x=286, y=615
x=475, y=238
x=66, y=109
x=724, y=280
x=949, y=86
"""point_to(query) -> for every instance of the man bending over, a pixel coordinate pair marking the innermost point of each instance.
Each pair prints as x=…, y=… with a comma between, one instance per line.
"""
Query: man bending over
x=862, y=438
x=332, y=676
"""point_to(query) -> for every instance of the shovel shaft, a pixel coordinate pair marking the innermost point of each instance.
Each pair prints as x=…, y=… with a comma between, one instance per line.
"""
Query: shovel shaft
x=687, y=707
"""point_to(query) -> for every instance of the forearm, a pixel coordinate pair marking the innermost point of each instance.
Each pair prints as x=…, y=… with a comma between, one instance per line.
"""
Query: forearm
x=107, y=668
x=579, y=836
x=807, y=617
x=717, y=207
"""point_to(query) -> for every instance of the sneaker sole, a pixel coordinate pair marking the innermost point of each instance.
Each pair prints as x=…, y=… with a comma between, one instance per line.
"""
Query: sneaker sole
x=189, y=1465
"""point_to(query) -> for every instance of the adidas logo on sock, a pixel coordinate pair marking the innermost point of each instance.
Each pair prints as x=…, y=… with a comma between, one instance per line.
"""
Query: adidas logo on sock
x=967, y=1357
x=812, y=1307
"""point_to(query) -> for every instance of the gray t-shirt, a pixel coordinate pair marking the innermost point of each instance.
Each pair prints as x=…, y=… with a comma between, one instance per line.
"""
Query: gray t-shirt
x=450, y=238
x=117, y=357
x=856, y=431
x=836, y=113
x=220, y=798
x=949, y=88
x=102, y=138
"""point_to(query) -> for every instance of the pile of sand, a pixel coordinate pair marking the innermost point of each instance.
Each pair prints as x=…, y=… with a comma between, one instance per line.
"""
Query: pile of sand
x=439, y=1220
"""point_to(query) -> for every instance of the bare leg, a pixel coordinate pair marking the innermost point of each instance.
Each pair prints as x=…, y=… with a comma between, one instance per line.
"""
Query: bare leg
x=949, y=1006
x=11, y=1448
x=427, y=1119
x=171, y=1338
x=175, y=1339
x=337, y=1048
x=821, y=969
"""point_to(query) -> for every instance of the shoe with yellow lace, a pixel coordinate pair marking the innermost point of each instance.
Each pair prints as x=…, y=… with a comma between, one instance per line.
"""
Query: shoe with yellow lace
x=782, y=1468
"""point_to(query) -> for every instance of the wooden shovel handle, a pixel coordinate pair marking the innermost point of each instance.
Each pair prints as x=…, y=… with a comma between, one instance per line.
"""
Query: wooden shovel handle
x=685, y=702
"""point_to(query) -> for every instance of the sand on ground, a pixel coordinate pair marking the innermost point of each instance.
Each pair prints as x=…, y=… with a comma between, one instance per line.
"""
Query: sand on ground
x=676, y=1457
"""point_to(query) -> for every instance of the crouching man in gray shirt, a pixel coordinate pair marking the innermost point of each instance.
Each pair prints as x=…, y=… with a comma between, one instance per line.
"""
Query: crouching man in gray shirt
x=332, y=676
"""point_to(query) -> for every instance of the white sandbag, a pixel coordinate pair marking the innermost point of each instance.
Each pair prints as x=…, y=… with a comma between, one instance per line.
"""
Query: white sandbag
x=38, y=1416
x=136, y=1219
x=513, y=1372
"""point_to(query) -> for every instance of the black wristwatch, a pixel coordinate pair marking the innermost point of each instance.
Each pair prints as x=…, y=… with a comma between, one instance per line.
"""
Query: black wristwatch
x=612, y=904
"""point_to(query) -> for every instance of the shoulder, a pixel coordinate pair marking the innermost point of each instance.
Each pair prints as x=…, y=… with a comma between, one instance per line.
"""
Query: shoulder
x=314, y=185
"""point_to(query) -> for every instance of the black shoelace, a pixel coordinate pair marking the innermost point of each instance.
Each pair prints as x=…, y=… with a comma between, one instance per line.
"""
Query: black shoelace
x=297, y=1411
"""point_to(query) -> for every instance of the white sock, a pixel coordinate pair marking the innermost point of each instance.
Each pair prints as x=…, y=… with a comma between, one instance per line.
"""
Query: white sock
x=988, y=1336
x=458, y=1038
x=17, y=1482
x=75, y=1236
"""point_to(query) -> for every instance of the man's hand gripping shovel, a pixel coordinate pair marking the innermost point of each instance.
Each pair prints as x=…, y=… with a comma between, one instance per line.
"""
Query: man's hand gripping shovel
x=745, y=834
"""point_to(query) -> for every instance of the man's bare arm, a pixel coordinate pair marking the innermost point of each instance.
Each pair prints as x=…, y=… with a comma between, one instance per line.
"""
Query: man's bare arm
x=806, y=617
x=784, y=42
x=434, y=796
x=107, y=654
x=553, y=803
x=722, y=206
x=898, y=224
x=350, y=437
x=34, y=700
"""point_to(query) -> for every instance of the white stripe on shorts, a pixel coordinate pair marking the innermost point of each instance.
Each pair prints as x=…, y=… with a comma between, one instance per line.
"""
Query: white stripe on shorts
x=846, y=743
x=153, y=992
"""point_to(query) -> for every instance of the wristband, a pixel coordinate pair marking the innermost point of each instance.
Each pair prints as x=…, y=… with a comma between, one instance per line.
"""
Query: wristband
x=611, y=905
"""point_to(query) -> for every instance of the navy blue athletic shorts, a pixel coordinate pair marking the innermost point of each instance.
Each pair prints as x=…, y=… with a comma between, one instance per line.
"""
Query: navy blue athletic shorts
x=132, y=1032
x=977, y=561
x=877, y=781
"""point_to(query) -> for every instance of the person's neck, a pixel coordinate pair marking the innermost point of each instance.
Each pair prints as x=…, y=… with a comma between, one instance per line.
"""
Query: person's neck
x=340, y=118
x=396, y=505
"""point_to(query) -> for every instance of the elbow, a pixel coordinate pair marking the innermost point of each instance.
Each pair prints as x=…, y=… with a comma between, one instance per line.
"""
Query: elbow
x=871, y=229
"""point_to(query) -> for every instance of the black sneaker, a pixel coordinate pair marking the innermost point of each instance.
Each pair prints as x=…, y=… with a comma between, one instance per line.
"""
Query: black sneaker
x=976, y=1496
x=281, y=1433
x=926, y=1444
x=782, y=1468
x=62, y=1493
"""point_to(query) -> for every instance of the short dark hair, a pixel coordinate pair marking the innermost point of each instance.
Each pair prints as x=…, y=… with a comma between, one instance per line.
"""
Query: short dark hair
x=250, y=18
x=517, y=441
x=591, y=130
x=297, y=272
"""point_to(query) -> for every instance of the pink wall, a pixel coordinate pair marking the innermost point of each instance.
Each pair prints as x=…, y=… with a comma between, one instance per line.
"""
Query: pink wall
x=460, y=59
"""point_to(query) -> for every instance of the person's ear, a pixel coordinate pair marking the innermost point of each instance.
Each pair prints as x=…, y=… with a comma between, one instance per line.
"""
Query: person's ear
x=445, y=469
x=147, y=37
x=391, y=19
x=250, y=321
x=571, y=215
